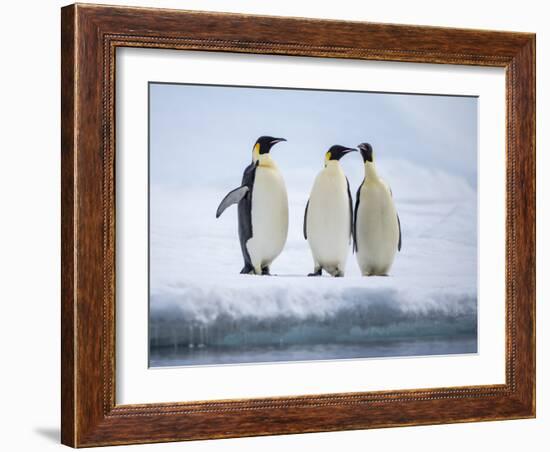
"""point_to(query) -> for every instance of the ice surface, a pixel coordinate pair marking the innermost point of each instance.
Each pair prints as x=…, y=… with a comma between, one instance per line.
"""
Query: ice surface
x=198, y=299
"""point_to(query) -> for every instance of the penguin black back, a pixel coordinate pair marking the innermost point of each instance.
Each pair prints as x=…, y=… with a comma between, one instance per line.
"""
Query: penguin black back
x=245, y=214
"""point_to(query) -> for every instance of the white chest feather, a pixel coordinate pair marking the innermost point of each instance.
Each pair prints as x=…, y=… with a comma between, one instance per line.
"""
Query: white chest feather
x=269, y=216
x=377, y=228
x=328, y=217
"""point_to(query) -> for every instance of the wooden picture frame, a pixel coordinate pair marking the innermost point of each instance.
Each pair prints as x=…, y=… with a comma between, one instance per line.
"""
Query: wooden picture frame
x=90, y=35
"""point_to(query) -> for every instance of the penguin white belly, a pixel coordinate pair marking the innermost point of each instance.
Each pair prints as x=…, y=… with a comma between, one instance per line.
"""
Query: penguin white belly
x=377, y=229
x=269, y=217
x=328, y=220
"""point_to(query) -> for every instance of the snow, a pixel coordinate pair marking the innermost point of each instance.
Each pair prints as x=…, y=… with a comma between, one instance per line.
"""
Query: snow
x=196, y=259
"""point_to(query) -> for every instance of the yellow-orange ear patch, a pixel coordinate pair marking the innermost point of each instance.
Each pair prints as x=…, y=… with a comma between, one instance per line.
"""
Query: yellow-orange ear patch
x=256, y=152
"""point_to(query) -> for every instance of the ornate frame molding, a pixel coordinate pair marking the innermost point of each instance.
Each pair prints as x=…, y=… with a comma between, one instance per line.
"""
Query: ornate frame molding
x=90, y=37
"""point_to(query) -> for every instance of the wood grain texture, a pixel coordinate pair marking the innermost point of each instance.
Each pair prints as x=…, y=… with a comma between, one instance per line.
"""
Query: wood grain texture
x=68, y=147
x=90, y=36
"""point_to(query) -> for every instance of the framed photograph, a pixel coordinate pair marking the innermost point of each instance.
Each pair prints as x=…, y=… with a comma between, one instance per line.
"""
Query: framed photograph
x=281, y=225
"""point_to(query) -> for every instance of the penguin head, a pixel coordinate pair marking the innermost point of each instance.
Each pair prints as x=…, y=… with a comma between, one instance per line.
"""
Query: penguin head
x=366, y=152
x=336, y=152
x=263, y=146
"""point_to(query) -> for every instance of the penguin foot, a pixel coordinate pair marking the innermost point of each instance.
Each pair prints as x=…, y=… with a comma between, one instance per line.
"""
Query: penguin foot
x=334, y=271
x=247, y=269
x=316, y=272
x=375, y=274
x=265, y=271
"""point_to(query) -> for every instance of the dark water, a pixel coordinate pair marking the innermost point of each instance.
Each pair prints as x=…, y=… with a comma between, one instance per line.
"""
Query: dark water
x=209, y=355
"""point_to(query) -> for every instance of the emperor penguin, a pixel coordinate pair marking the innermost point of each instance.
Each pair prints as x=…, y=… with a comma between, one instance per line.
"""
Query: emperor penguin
x=377, y=229
x=262, y=208
x=328, y=216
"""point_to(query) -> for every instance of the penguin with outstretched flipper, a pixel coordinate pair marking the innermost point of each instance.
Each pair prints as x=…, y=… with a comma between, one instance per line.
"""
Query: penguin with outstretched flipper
x=262, y=209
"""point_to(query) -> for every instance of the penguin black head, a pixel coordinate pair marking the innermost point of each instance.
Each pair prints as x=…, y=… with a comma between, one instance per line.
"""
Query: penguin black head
x=336, y=152
x=264, y=144
x=366, y=152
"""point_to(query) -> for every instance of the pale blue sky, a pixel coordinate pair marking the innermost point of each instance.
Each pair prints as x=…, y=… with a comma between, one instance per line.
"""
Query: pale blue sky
x=204, y=134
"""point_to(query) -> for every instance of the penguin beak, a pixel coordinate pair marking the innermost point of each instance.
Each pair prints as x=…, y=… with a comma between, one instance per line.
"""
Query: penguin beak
x=276, y=140
x=348, y=150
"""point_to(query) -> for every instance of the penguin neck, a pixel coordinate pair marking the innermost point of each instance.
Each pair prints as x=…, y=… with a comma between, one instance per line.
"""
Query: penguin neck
x=333, y=166
x=370, y=171
x=265, y=161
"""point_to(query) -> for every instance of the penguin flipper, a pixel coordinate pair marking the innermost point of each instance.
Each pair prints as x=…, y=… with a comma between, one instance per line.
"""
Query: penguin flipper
x=399, y=225
x=233, y=197
x=305, y=220
x=351, y=222
x=355, y=248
